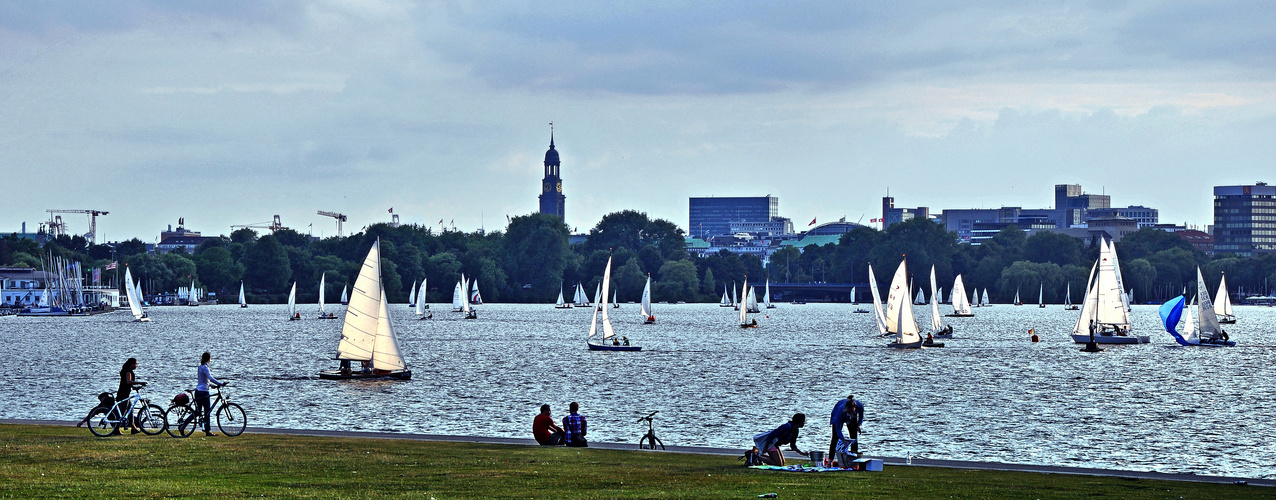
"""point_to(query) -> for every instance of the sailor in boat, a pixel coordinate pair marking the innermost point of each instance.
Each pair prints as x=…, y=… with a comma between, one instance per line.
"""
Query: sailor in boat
x=345, y=367
x=615, y=341
x=1032, y=333
x=624, y=340
x=929, y=340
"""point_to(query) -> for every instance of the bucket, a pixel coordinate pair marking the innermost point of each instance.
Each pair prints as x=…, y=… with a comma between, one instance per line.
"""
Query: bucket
x=817, y=459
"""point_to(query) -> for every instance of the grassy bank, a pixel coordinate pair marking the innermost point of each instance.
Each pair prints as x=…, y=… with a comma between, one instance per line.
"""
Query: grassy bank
x=53, y=462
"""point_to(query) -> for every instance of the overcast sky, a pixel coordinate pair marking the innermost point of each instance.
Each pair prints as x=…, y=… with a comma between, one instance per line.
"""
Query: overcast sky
x=230, y=112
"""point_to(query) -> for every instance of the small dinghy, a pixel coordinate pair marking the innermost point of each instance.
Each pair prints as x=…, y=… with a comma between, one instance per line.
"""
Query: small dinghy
x=367, y=336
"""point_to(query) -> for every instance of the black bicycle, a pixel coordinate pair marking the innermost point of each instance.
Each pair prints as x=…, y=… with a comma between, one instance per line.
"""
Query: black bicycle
x=149, y=417
x=182, y=417
x=649, y=441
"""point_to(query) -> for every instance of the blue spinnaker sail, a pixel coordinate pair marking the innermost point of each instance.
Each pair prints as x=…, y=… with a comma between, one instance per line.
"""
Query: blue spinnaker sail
x=1171, y=313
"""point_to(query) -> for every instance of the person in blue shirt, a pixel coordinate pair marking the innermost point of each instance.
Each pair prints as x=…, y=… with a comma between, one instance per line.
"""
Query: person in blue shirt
x=769, y=443
x=575, y=427
x=202, y=402
x=850, y=413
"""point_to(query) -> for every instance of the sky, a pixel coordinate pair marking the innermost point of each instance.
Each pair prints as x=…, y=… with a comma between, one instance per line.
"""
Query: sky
x=231, y=112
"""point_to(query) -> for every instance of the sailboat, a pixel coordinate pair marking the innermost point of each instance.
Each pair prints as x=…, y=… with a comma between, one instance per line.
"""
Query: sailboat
x=1174, y=308
x=961, y=306
x=598, y=298
x=1067, y=300
x=242, y=301
x=766, y=296
x=476, y=298
x=293, y=315
x=899, y=313
x=647, y=317
x=466, y=308
x=751, y=301
x=1017, y=301
x=1041, y=296
x=1223, y=303
x=412, y=295
x=560, y=303
x=134, y=298
x=983, y=302
x=422, y=305
x=974, y=297
x=580, y=299
x=921, y=297
x=726, y=301
x=345, y=299
x=191, y=299
x=735, y=303
x=323, y=313
x=879, y=317
x=614, y=303
x=936, y=324
x=367, y=334
x=744, y=311
x=855, y=300
x=458, y=296
x=608, y=332
x=1104, y=311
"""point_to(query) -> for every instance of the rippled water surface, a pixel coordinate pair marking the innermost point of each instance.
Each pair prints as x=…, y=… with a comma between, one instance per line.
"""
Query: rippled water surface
x=989, y=395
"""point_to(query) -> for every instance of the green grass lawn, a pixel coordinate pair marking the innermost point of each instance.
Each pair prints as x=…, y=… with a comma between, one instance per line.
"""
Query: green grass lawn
x=65, y=462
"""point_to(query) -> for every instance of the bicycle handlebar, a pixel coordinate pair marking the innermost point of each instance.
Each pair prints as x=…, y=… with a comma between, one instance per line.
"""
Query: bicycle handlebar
x=648, y=417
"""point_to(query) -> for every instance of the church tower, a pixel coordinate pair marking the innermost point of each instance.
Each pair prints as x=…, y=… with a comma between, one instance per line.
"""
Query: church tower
x=552, y=199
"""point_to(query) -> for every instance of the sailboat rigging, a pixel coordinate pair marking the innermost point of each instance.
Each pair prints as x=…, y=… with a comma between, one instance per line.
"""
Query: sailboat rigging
x=367, y=335
x=608, y=332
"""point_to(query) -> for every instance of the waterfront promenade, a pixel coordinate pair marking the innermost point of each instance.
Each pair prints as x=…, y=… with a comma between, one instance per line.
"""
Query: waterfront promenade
x=889, y=461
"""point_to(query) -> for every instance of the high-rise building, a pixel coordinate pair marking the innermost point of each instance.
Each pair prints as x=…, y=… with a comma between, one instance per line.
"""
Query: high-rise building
x=1076, y=204
x=552, y=199
x=891, y=215
x=1245, y=219
x=709, y=217
x=1146, y=217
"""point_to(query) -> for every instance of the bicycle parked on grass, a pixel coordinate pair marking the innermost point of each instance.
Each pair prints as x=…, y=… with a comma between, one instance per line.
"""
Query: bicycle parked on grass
x=183, y=418
x=649, y=441
x=104, y=422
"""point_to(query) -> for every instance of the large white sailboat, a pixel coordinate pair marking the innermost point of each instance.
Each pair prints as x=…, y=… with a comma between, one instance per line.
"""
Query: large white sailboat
x=921, y=297
x=647, y=316
x=367, y=335
x=1223, y=302
x=580, y=299
x=751, y=301
x=899, y=320
x=242, y=301
x=1105, y=316
x=458, y=296
x=561, y=303
x=466, y=308
x=134, y=298
x=983, y=302
x=323, y=311
x=961, y=305
x=609, y=341
x=293, y=315
x=422, y=306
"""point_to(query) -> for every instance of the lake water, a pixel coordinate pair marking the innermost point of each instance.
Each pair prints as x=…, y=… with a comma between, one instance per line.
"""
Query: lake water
x=989, y=395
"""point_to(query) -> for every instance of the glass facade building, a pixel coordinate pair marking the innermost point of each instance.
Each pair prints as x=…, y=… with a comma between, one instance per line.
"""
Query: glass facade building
x=1245, y=219
x=712, y=216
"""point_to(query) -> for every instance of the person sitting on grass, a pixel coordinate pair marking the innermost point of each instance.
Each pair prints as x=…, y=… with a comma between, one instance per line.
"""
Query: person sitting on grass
x=769, y=443
x=574, y=427
x=544, y=429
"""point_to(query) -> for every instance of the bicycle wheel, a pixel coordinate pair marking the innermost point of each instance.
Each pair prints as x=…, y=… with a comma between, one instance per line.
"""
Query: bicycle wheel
x=98, y=423
x=150, y=419
x=231, y=419
x=181, y=421
x=646, y=444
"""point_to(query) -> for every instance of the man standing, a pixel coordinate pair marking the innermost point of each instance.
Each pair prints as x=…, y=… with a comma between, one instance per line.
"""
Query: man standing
x=545, y=430
x=574, y=427
x=850, y=413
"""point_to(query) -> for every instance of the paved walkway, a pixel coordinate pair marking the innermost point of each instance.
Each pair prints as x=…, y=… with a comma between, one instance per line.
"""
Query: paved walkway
x=893, y=461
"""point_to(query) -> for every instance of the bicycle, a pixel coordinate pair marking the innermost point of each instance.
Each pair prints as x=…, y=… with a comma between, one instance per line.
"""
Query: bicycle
x=104, y=422
x=231, y=419
x=649, y=440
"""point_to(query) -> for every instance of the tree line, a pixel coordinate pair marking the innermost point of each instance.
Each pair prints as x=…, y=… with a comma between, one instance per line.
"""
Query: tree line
x=533, y=259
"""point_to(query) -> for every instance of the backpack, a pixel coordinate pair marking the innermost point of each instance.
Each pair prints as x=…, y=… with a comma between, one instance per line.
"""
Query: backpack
x=752, y=458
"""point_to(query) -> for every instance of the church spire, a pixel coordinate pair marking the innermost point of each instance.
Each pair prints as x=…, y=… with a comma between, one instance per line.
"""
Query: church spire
x=551, y=135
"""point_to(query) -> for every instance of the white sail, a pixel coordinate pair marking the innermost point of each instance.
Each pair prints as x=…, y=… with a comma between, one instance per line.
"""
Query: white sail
x=359, y=330
x=322, y=279
x=242, y=301
x=1223, y=301
x=598, y=299
x=726, y=301
x=476, y=298
x=292, y=300
x=581, y=299
x=605, y=287
x=1209, y=319
x=1112, y=307
x=939, y=295
x=593, y=326
x=385, y=347
x=560, y=302
x=465, y=298
x=134, y=305
x=1017, y=301
x=878, y=315
x=614, y=301
x=344, y=297
x=899, y=312
x=191, y=297
x=457, y=295
x=766, y=295
x=420, y=298
x=1041, y=294
x=412, y=294
x=960, y=304
x=921, y=297
x=1189, y=327
x=744, y=311
x=1089, y=303
x=735, y=302
x=935, y=323
x=984, y=300
x=1067, y=297
x=974, y=297
x=646, y=299
x=1120, y=287
x=855, y=301
x=751, y=302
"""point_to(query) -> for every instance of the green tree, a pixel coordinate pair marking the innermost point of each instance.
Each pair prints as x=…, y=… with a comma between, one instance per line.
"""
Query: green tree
x=678, y=281
x=629, y=280
x=267, y=267
x=1026, y=277
x=536, y=253
x=708, y=287
x=217, y=270
x=1138, y=274
x=1052, y=247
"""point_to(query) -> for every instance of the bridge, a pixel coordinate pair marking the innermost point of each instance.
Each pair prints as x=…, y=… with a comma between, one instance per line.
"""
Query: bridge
x=817, y=292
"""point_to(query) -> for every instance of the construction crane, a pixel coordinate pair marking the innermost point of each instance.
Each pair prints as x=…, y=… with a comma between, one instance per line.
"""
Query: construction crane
x=340, y=218
x=272, y=225
x=59, y=228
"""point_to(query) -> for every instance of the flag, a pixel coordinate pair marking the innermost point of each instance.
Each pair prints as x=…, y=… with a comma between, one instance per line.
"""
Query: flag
x=811, y=224
x=97, y=275
x=391, y=210
x=440, y=222
x=111, y=266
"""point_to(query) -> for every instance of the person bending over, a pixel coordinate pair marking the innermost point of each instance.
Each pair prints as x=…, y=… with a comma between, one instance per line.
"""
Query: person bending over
x=545, y=430
x=769, y=443
x=848, y=412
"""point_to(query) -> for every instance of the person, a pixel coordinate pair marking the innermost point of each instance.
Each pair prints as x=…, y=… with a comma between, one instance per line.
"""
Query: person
x=127, y=381
x=768, y=443
x=850, y=413
x=574, y=427
x=544, y=429
x=929, y=340
x=1224, y=332
x=625, y=340
x=615, y=341
x=202, y=401
x=366, y=367
x=345, y=367
x=1092, y=328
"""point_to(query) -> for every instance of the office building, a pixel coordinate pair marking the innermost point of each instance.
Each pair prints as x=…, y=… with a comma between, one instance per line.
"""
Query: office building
x=711, y=216
x=1146, y=217
x=892, y=215
x=1245, y=219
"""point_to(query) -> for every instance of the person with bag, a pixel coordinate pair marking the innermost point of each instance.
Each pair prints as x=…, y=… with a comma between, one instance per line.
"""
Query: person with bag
x=768, y=443
x=202, y=401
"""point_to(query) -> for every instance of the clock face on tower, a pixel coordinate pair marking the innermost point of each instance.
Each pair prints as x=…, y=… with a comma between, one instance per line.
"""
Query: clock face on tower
x=546, y=188
x=560, y=187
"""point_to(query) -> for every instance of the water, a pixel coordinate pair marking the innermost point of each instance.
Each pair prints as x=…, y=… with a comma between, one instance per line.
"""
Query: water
x=989, y=395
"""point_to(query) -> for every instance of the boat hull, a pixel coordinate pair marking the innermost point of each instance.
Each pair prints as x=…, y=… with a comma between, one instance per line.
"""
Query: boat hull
x=328, y=317
x=337, y=375
x=959, y=315
x=565, y=306
x=909, y=345
x=943, y=336
x=1112, y=339
x=604, y=347
x=933, y=344
x=1227, y=321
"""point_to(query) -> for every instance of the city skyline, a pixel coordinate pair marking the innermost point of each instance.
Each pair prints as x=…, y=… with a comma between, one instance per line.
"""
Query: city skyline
x=232, y=113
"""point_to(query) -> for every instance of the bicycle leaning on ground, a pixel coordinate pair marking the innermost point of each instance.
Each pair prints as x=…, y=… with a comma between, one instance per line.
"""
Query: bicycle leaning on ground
x=649, y=441
x=104, y=422
x=182, y=417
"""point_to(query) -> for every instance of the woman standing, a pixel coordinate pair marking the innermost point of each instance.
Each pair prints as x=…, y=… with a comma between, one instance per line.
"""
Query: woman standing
x=202, y=402
x=127, y=381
